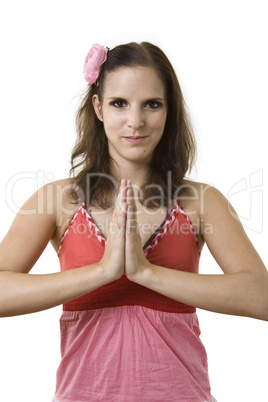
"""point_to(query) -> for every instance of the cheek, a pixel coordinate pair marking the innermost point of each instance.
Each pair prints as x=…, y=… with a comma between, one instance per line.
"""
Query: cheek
x=159, y=123
x=109, y=126
x=113, y=123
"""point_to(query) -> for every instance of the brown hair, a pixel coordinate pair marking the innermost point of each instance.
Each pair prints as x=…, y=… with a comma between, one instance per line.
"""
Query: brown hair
x=175, y=152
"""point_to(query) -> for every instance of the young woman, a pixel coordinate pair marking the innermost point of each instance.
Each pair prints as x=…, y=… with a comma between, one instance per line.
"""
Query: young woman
x=129, y=229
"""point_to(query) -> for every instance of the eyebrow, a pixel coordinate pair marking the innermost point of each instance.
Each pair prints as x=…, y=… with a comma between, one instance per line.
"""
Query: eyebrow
x=157, y=98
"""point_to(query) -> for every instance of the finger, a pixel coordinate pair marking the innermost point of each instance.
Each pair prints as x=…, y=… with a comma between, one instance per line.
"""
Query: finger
x=122, y=190
x=129, y=224
x=131, y=200
x=118, y=223
x=121, y=198
x=132, y=224
x=129, y=192
x=123, y=195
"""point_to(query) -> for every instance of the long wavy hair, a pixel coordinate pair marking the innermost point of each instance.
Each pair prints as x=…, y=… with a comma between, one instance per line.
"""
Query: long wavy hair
x=173, y=156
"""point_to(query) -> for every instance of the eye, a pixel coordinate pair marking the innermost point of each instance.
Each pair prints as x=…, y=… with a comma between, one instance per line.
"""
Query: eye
x=153, y=104
x=118, y=103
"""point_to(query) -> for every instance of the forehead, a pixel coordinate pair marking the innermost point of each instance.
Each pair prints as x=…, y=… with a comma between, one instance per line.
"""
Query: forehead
x=128, y=81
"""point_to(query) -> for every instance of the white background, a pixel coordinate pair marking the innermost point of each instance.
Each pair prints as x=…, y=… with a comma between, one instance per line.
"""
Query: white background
x=219, y=50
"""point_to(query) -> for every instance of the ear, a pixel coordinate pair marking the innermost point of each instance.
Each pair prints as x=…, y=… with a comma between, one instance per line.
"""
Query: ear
x=97, y=106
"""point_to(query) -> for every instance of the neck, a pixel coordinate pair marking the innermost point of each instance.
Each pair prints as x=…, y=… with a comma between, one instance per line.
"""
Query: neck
x=130, y=171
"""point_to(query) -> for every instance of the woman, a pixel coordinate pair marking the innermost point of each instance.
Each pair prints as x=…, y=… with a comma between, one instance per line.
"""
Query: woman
x=128, y=229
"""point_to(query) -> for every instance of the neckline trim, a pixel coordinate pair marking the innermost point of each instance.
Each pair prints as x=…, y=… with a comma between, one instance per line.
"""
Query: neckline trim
x=155, y=237
x=152, y=241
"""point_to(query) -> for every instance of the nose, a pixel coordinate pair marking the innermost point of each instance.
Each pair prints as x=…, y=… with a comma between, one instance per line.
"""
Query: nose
x=135, y=118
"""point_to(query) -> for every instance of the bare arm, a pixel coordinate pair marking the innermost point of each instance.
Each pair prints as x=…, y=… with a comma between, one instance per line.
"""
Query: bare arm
x=22, y=293
x=242, y=290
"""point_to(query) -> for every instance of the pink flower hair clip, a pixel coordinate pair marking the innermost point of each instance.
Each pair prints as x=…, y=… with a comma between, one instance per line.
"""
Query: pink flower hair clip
x=93, y=62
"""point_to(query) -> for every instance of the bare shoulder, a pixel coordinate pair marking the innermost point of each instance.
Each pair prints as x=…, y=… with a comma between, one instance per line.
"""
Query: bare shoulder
x=37, y=222
x=64, y=207
x=53, y=199
x=220, y=228
x=191, y=196
x=199, y=197
x=206, y=202
x=194, y=190
x=208, y=209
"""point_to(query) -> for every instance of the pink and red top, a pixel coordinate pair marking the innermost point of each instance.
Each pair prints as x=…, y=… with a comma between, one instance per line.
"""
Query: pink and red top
x=124, y=342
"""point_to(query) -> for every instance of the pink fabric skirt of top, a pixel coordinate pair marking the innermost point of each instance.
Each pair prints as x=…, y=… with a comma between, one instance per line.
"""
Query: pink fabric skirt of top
x=211, y=400
x=149, y=356
x=129, y=354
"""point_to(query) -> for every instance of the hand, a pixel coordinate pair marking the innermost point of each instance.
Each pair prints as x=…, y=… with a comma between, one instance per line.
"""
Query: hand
x=135, y=261
x=113, y=260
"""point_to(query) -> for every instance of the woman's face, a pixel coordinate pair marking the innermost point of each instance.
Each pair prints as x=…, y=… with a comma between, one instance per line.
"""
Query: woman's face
x=133, y=111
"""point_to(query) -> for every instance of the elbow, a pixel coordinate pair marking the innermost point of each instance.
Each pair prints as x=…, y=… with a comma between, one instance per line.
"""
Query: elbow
x=261, y=314
x=264, y=302
x=259, y=301
x=252, y=300
x=264, y=309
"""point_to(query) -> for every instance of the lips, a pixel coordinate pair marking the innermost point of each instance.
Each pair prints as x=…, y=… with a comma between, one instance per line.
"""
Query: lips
x=135, y=139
